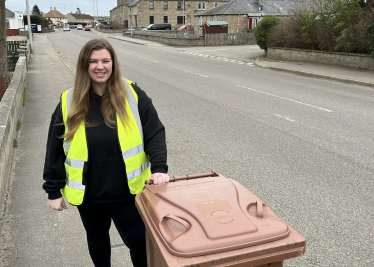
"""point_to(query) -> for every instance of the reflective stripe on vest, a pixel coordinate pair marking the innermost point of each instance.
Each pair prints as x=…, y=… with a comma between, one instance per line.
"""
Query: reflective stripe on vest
x=131, y=143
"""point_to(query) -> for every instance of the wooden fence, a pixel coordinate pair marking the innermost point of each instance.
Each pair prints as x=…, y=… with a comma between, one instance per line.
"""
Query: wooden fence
x=230, y=38
x=14, y=45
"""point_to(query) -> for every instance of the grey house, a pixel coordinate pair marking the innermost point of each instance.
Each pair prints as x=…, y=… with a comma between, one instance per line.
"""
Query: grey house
x=243, y=15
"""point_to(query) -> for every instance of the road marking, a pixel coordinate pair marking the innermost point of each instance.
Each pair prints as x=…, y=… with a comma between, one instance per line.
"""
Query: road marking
x=284, y=117
x=124, y=52
x=191, y=72
x=148, y=59
x=211, y=50
x=288, y=99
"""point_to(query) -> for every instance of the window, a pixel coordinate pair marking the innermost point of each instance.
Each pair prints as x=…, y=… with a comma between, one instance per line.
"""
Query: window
x=165, y=19
x=151, y=4
x=201, y=6
x=165, y=4
x=180, y=5
x=7, y=26
x=151, y=19
x=136, y=20
x=180, y=20
x=215, y=4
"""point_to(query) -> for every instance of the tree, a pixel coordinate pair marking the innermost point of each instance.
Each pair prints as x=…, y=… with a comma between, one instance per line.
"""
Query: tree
x=78, y=11
x=36, y=11
x=37, y=20
x=262, y=30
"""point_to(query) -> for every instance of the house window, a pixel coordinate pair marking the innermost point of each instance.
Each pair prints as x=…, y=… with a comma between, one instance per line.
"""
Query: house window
x=180, y=20
x=180, y=5
x=151, y=4
x=201, y=6
x=165, y=4
x=215, y=4
x=136, y=20
x=151, y=19
x=7, y=26
x=165, y=19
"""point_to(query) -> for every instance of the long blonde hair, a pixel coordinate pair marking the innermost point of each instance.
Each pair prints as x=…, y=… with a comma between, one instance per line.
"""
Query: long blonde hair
x=113, y=100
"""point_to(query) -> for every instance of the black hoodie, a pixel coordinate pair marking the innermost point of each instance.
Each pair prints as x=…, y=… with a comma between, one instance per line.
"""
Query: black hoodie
x=105, y=178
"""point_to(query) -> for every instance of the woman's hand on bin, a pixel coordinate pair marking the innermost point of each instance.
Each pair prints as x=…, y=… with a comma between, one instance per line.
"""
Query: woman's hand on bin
x=159, y=178
x=57, y=204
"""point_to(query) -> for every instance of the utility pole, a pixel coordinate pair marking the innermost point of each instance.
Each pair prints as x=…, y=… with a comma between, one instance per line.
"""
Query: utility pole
x=3, y=58
x=97, y=12
x=29, y=22
x=93, y=4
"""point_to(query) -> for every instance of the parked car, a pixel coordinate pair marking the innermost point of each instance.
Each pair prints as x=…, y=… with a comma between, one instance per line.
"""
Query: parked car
x=79, y=27
x=87, y=28
x=66, y=27
x=186, y=28
x=158, y=27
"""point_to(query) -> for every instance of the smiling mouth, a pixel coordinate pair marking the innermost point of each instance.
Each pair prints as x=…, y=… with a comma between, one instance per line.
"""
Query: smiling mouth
x=100, y=73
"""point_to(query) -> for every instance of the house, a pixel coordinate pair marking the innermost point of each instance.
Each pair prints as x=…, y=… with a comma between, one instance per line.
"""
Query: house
x=14, y=20
x=55, y=17
x=141, y=13
x=79, y=19
x=243, y=15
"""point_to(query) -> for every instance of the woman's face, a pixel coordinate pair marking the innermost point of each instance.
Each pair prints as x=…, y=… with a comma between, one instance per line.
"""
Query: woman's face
x=100, y=66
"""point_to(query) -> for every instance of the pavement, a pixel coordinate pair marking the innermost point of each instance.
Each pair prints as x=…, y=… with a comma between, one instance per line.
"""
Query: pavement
x=31, y=234
x=331, y=72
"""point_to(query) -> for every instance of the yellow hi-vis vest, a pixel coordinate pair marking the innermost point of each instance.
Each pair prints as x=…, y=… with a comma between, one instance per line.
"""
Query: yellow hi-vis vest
x=131, y=142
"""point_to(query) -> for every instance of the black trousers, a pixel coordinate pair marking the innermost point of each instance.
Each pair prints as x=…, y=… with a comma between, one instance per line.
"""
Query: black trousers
x=96, y=218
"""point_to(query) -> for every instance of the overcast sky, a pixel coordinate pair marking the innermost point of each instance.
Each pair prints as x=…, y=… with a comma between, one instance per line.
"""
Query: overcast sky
x=86, y=6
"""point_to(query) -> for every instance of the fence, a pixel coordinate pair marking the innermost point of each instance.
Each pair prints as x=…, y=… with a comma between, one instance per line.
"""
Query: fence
x=230, y=38
x=14, y=45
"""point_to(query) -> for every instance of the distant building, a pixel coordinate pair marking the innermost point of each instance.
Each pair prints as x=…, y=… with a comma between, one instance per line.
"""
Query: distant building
x=79, y=18
x=141, y=13
x=243, y=15
x=55, y=17
x=14, y=20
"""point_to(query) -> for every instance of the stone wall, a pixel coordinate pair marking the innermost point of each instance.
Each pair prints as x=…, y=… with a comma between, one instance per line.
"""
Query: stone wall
x=342, y=59
x=11, y=106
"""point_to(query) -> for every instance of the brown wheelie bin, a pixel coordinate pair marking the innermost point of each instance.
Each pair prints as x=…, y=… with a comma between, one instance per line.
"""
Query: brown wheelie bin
x=210, y=220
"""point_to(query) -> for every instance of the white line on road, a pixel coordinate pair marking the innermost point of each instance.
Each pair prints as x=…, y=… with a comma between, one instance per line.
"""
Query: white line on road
x=298, y=102
x=148, y=59
x=124, y=52
x=190, y=72
x=284, y=117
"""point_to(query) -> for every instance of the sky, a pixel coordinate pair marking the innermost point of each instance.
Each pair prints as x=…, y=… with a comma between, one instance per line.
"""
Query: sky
x=65, y=6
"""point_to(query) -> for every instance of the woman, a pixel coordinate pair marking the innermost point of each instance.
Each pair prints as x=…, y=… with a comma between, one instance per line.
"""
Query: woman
x=103, y=131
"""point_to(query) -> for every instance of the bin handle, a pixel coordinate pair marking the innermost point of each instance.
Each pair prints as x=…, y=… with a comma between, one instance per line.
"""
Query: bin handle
x=260, y=209
x=188, y=177
x=181, y=221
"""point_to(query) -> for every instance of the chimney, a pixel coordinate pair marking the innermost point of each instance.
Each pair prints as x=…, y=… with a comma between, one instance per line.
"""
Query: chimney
x=55, y=8
x=51, y=8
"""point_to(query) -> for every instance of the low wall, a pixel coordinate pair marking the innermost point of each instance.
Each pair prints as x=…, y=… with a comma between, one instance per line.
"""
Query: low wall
x=10, y=109
x=342, y=59
x=175, y=39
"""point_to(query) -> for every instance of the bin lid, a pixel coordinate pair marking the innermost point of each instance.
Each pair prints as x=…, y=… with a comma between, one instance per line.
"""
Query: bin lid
x=209, y=215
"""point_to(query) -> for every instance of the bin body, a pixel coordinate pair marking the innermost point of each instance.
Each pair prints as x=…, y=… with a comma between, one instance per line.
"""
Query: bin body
x=213, y=221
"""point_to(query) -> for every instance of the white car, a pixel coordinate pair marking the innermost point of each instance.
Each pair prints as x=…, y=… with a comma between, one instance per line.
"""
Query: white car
x=66, y=27
x=79, y=27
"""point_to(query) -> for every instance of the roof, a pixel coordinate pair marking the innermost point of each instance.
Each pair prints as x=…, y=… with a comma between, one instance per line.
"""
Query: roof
x=81, y=16
x=216, y=23
x=8, y=13
x=53, y=14
x=250, y=8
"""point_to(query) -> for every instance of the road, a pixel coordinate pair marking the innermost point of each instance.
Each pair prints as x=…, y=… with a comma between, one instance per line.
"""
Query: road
x=302, y=145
